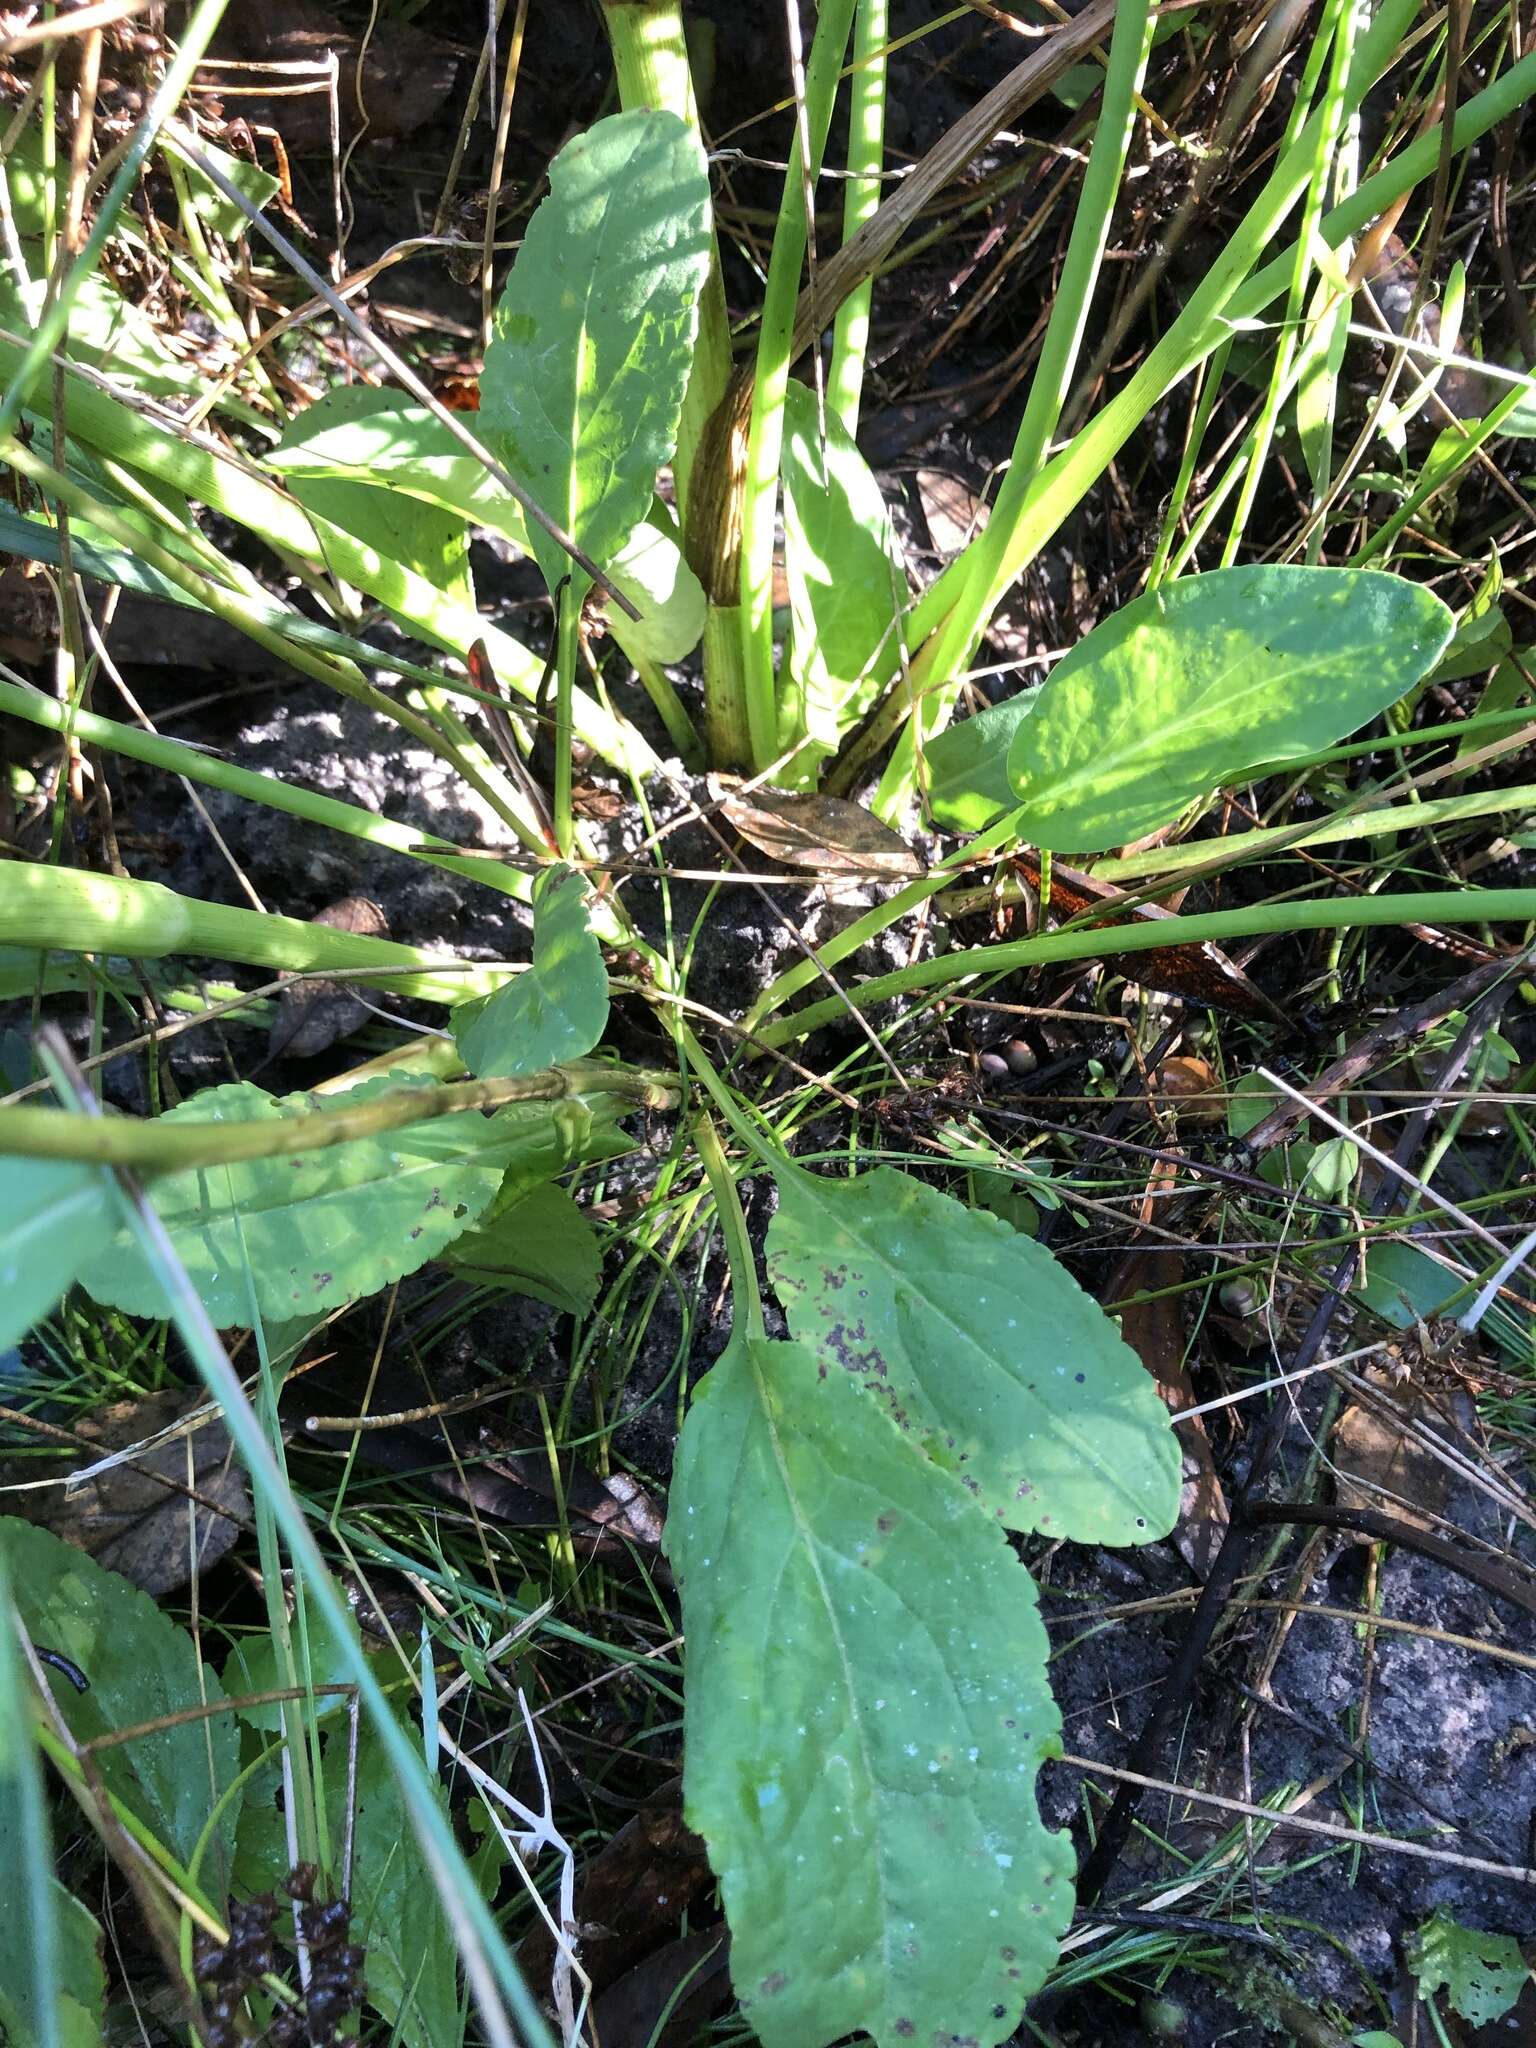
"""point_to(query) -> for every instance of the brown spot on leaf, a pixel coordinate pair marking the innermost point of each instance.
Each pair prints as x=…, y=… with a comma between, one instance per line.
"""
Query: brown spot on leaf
x=772, y=1986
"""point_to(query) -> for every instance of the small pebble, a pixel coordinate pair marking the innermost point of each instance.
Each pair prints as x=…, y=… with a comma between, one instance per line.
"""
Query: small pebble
x=1020, y=1056
x=993, y=1065
x=1239, y=1298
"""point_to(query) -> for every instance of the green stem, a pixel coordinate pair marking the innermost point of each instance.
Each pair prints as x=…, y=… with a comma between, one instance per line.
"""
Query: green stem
x=1239, y=847
x=51, y=328
x=951, y=649
x=176, y=758
x=765, y=439
x=1225, y=296
x=152, y=1145
x=650, y=61
x=861, y=198
x=746, y=1300
x=1432, y=907
x=67, y=910
x=567, y=640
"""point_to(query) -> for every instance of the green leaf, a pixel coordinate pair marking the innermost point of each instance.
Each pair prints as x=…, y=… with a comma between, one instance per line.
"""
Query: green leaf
x=967, y=766
x=402, y=448
x=557, y=1009
x=983, y=1348
x=867, y=1709
x=54, y=1213
x=1203, y=680
x=255, y=1664
x=846, y=588
x=650, y=571
x=538, y=1243
x=401, y=528
x=80, y=1979
x=317, y=1229
x=1484, y=1973
x=594, y=335
x=141, y=1668
x=221, y=214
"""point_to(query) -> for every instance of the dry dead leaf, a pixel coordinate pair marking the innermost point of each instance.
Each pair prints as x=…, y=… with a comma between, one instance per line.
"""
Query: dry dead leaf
x=1378, y=1464
x=822, y=833
x=631, y=1896
x=313, y=1015
x=1155, y=1332
x=954, y=512
x=133, y=1517
x=1190, y=1088
x=646, y=1998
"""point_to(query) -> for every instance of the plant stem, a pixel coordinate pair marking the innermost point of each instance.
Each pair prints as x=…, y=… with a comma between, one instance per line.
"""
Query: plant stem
x=766, y=432
x=67, y=910
x=567, y=633
x=746, y=1300
x=650, y=61
x=861, y=197
x=1436, y=906
x=152, y=1145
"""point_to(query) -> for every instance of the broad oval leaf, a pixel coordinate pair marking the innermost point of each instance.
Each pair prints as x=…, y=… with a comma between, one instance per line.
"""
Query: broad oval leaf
x=966, y=781
x=557, y=1009
x=537, y=1243
x=846, y=585
x=983, y=1348
x=400, y=528
x=318, y=1229
x=142, y=1668
x=54, y=1213
x=403, y=448
x=594, y=335
x=1203, y=681
x=650, y=571
x=867, y=1709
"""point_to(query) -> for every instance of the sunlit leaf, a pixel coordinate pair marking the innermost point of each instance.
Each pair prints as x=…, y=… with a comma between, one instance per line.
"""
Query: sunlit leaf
x=867, y=1709
x=594, y=334
x=846, y=587
x=1484, y=1974
x=1203, y=680
x=316, y=1229
x=983, y=1348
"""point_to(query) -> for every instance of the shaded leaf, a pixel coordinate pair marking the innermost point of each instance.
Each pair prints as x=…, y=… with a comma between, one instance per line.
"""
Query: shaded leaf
x=537, y=1243
x=966, y=766
x=594, y=335
x=630, y=1896
x=1155, y=1332
x=867, y=1708
x=845, y=584
x=822, y=833
x=665, y=2001
x=133, y=1516
x=558, y=1008
x=54, y=1213
x=1204, y=680
x=255, y=1664
x=141, y=1667
x=315, y=1229
x=983, y=1348
x=1484, y=1973
x=220, y=213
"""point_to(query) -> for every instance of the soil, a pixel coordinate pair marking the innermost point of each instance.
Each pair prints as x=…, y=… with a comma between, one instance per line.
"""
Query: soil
x=1401, y=1733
